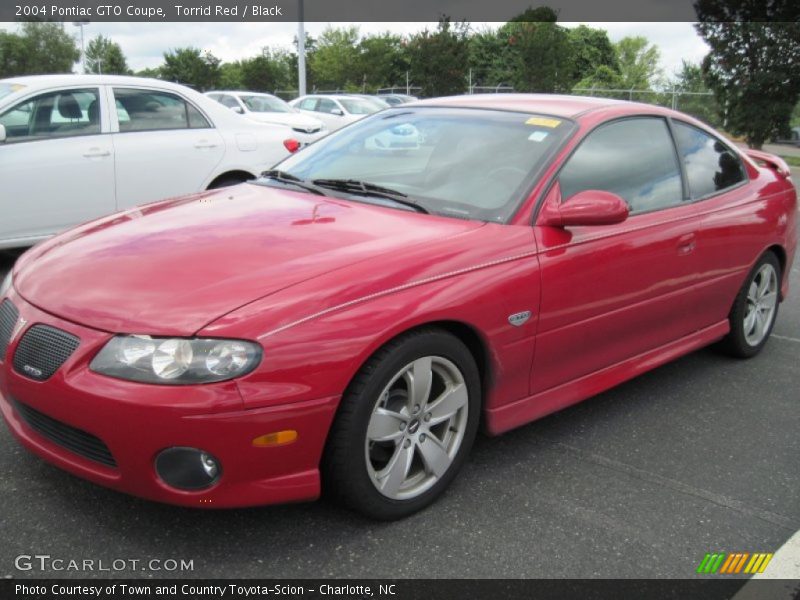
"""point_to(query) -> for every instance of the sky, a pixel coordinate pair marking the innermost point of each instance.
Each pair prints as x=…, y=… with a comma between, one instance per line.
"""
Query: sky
x=145, y=43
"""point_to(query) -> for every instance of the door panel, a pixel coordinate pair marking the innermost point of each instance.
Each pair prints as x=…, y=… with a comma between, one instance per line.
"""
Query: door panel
x=611, y=292
x=57, y=167
x=164, y=146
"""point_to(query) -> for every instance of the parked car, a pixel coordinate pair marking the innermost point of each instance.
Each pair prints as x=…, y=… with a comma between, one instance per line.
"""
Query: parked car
x=397, y=99
x=348, y=320
x=266, y=108
x=75, y=147
x=335, y=111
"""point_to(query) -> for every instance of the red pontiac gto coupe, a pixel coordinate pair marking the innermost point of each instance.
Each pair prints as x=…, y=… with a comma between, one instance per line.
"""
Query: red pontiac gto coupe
x=346, y=321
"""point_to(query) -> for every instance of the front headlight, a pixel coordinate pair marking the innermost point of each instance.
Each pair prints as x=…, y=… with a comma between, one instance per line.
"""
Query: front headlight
x=6, y=285
x=176, y=361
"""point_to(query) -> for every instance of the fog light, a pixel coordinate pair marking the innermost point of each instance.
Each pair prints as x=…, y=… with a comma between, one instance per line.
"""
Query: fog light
x=187, y=468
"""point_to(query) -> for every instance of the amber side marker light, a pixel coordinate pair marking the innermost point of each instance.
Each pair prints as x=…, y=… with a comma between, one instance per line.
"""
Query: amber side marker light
x=279, y=438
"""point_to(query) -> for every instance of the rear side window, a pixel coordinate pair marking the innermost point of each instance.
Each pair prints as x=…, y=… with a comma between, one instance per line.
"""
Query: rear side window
x=150, y=110
x=710, y=165
x=634, y=159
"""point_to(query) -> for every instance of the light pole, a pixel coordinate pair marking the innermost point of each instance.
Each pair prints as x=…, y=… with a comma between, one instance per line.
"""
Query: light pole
x=301, y=51
x=83, y=52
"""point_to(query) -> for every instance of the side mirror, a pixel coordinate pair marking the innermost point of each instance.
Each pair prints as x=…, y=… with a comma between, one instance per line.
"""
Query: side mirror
x=590, y=207
x=2, y=133
x=338, y=112
x=238, y=110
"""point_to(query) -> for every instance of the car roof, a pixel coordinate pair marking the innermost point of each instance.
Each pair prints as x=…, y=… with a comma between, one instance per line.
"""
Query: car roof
x=551, y=104
x=44, y=81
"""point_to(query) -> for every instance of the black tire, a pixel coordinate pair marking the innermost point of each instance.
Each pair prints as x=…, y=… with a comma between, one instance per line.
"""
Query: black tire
x=345, y=474
x=735, y=343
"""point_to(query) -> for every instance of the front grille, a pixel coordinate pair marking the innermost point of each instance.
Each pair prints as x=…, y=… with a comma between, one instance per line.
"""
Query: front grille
x=66, y=436
x=42, y=351
x=8, y=319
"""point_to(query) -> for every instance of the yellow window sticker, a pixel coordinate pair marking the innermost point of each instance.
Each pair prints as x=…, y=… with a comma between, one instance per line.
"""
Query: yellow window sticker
x=543, y=122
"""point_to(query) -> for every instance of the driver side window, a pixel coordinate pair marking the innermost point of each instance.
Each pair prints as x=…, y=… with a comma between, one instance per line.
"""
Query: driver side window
x=65, y=113
x=634, y=158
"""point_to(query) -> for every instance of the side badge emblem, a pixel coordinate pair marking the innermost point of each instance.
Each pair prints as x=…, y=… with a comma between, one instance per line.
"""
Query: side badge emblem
x=520, y=318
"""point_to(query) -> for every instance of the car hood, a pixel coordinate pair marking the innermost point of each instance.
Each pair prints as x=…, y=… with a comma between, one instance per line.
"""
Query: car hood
x=172, y=267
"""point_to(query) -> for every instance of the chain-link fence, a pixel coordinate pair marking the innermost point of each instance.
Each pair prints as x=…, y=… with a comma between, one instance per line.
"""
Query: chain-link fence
x=702, y=105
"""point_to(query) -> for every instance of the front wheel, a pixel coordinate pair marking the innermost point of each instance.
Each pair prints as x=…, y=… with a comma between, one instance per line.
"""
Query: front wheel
x=405, y=426
x=755, y=309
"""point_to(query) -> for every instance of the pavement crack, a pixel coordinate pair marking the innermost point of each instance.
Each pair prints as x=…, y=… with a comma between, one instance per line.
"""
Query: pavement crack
x=789, y=523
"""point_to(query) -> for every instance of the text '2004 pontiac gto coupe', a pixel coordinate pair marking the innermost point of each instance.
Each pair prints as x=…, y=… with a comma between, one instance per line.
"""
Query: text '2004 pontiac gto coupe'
x=345, y=322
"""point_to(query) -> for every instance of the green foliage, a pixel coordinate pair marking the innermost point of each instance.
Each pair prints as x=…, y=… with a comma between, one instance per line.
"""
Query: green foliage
x=690, y=79
x=191, y=66
x=590, y=49
x=438, y=59
x=105, y=56
x=382, y=60
x=335, y=60
x=753, y=65
x=38, y=48
x=636, y=67
x=152, y=73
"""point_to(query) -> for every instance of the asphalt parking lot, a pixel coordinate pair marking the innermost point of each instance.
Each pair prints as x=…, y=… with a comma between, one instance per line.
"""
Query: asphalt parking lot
x=699, y=455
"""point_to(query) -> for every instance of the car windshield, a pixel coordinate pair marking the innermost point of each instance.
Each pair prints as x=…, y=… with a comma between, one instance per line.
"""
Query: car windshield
x=469, y=163
x=360, y=106
x=265, y=104
x=7, y=89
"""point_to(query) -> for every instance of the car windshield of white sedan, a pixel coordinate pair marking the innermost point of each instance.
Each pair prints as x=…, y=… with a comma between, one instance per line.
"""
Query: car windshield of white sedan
x=265, y=104
x=469, y=163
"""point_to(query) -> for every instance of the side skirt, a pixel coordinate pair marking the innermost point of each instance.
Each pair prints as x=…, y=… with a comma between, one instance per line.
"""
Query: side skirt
x=515, y=414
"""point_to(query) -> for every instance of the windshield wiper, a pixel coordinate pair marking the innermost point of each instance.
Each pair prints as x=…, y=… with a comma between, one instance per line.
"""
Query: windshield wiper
x=354, y=186
x=289, y=179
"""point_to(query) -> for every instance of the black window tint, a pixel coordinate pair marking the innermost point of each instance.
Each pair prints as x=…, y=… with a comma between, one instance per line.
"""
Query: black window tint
x=634, y=159
x=710, y=165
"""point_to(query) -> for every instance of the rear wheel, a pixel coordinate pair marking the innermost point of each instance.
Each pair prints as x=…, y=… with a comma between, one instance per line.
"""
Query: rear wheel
x=405, y=426
x=755, y=309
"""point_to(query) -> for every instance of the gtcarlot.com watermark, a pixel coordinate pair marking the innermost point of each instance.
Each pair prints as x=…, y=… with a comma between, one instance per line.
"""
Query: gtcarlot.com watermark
x=48, y=563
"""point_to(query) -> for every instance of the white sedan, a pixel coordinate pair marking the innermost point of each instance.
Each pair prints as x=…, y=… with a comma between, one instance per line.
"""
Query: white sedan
x=335, y=111
x=76, y=147
x=266, y=108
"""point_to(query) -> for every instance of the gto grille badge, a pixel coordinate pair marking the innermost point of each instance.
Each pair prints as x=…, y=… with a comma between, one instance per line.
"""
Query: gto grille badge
x=520, y=318
x=17, y=328
x=33, y=371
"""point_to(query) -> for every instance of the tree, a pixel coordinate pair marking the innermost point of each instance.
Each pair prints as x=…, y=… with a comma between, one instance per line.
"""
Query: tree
x=536, y=52
x=38, y=48
x=753, y=66
x=105, y=56
x=191, y=66
x=382, y=60
x=154, y=73
x=334, y=61
x=636, y=67
x=590, y=49
x=438, y=60
x=690, y=79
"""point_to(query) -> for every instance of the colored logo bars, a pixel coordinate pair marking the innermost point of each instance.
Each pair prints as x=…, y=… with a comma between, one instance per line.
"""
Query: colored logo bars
x=734, y=562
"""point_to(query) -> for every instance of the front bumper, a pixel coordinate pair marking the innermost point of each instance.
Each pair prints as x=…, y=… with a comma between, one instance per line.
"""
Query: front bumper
x=137, y=421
